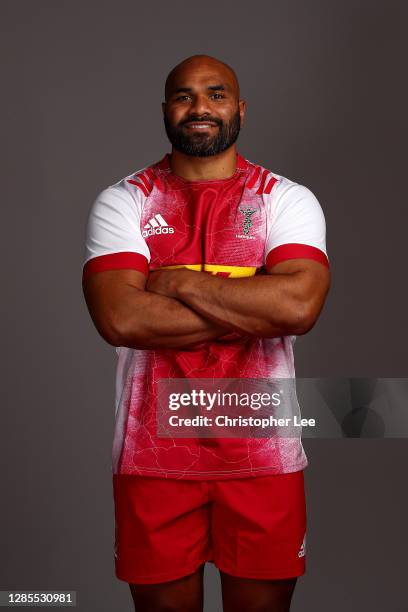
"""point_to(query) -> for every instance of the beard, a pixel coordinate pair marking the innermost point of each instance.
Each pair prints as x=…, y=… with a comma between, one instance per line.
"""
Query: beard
x=202, y=144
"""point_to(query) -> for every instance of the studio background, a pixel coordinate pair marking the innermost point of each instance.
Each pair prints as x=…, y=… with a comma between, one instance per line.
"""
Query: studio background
x=326, y=99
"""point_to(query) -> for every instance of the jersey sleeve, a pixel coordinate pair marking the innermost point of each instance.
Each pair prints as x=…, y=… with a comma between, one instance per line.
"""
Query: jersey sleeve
x=113, y=238
x=296, y=226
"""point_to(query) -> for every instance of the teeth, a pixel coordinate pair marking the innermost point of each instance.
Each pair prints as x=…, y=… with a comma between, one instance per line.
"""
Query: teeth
x=200, y=126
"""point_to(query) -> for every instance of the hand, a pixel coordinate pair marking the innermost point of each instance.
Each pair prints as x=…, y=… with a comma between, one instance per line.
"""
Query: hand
x=171, y=282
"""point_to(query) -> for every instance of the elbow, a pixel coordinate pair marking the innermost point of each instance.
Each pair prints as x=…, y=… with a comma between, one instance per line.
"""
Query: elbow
x=120, y=334
x=110, y=333
x=304, y=318
x=112, y=329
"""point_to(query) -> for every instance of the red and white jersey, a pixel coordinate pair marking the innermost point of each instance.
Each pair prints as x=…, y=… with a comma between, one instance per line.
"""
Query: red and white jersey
x=238, y=226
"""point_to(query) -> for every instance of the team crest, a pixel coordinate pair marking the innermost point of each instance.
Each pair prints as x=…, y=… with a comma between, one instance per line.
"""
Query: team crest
x=248, y=212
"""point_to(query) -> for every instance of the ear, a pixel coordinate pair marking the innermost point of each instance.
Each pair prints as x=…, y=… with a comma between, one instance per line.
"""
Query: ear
x=242, y=110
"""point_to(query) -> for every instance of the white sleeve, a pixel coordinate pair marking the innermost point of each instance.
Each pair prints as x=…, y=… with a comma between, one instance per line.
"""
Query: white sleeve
x=296, y=225
x=113, y=236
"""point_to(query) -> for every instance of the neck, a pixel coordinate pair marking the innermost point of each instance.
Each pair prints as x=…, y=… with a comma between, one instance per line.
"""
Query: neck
x=210, y=168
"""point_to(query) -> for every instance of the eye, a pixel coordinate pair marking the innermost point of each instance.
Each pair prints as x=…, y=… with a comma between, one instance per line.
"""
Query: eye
x=220, y=95
x=181, y=97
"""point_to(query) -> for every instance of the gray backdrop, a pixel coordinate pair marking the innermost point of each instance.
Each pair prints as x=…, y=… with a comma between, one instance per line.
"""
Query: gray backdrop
x=82, y=87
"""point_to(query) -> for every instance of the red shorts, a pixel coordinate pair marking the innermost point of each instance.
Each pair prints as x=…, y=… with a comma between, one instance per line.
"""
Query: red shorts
x=248, y=527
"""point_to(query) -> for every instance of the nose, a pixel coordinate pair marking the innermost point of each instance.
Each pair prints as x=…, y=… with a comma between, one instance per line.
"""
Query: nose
x=200, y=105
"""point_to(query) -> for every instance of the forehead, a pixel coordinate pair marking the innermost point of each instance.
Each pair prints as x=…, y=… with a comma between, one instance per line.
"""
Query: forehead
x=200, y=76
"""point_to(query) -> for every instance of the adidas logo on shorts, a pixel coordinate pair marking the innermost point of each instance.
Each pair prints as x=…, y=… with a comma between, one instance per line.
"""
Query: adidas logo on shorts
x=302, y=550
x=157, y=225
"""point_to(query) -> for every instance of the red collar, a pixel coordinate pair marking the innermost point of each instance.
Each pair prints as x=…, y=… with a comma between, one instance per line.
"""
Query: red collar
x=164, y=163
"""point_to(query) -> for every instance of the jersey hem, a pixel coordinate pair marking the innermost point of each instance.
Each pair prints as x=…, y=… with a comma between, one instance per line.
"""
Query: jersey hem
x=219, y=475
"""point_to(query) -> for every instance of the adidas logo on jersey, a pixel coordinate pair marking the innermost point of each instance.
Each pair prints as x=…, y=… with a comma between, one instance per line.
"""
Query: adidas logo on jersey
x=157, y=225
x=302, y=550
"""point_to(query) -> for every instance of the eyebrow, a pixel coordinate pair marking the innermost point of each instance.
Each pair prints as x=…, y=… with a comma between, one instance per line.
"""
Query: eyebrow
x=210, y=87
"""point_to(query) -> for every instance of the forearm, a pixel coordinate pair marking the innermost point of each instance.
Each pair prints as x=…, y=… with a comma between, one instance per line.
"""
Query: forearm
x=147, y=320
x=262, y=305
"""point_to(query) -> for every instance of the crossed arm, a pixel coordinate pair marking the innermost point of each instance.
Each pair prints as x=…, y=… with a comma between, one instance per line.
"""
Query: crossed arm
x=180, y=308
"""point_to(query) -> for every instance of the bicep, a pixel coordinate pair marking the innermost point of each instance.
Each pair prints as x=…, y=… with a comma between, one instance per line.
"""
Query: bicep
x=107, y=293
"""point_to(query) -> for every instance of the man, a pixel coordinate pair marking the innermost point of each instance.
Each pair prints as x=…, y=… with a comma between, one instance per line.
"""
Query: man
x=204, y=265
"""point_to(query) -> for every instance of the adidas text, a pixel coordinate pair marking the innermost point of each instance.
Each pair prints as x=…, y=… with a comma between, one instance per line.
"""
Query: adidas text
x=157, y=230
x=157, y=225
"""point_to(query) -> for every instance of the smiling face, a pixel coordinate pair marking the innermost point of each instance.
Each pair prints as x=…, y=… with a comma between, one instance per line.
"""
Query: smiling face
x=202, y=113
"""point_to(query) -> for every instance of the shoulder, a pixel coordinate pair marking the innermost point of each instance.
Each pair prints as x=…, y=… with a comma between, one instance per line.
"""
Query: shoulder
x=266, y=181
x=129, y=192
x=280, y=192
x=138, y=182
